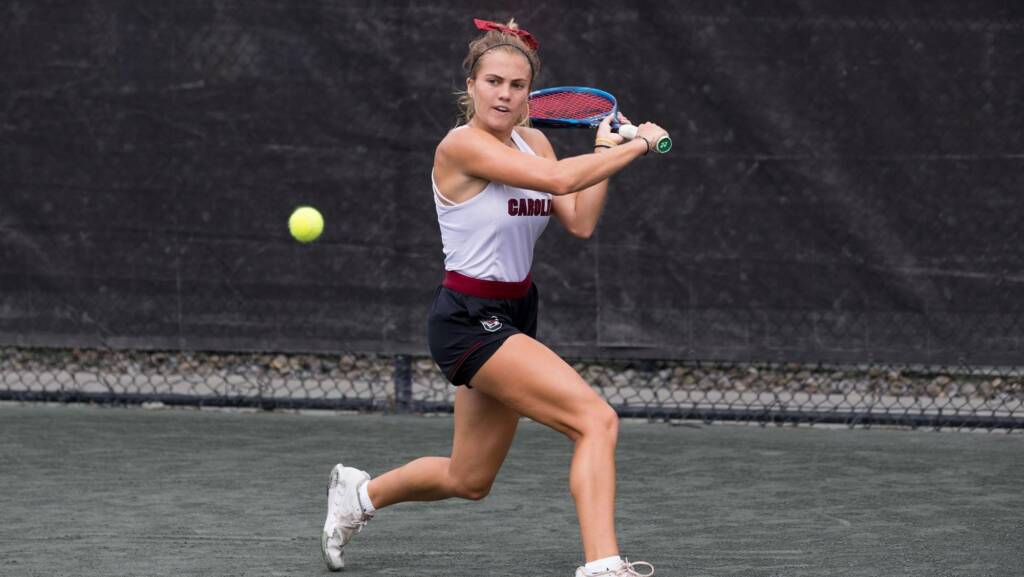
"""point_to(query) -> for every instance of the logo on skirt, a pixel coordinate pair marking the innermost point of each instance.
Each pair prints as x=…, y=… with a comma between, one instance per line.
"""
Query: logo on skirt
x=492, y=324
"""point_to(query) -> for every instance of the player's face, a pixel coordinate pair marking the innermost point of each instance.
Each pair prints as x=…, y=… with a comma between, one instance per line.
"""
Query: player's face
x=500, y=90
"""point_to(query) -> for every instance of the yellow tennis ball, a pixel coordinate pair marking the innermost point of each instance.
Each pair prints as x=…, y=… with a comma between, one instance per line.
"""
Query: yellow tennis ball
x=306, y=224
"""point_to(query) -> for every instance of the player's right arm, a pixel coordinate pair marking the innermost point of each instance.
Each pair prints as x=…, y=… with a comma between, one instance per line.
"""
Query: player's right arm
x=477, y=154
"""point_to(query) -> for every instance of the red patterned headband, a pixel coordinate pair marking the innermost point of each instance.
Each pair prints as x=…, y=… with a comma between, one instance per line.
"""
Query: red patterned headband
x=523, y=34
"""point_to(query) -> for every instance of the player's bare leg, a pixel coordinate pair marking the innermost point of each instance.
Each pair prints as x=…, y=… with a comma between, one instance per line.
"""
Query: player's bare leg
x=531, y=379
x=484, y=429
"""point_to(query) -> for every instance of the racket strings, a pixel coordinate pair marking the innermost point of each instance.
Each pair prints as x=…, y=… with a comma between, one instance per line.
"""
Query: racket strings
x=570, y=105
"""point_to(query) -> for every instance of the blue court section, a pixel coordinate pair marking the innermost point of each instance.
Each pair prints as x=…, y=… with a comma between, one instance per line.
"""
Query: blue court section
x=88, y=491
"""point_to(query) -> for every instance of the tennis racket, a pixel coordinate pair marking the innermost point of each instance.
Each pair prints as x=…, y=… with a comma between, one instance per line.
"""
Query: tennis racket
x=582, y=107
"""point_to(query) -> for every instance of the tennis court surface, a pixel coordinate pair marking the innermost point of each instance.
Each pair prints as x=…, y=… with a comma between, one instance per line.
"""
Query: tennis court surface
x=92, y=491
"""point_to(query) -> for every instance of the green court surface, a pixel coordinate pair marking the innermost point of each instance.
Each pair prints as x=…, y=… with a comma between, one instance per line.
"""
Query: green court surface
x=92, y=491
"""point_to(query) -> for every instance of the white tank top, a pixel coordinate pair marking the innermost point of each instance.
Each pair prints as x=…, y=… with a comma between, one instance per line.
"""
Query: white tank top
x=491, y=236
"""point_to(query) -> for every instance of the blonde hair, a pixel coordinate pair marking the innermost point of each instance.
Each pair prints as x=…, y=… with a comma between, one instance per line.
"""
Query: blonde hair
x=495, y=40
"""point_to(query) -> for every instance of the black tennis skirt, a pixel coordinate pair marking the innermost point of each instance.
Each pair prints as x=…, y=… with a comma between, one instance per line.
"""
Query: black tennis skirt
x=471, y=318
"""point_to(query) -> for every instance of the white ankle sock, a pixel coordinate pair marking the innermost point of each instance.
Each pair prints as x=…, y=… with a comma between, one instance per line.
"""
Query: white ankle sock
x=364, y=500
x=606, y=564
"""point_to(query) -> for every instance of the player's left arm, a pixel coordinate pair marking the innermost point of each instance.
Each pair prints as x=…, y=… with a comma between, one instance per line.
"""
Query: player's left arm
x=578, y=212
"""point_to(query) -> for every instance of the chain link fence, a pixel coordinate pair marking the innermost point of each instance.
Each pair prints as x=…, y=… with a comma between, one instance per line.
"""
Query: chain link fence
x=907, y=395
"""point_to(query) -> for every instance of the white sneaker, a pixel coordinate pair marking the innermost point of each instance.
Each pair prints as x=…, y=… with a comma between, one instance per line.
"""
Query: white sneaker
x=345, y=516
x=627, y=569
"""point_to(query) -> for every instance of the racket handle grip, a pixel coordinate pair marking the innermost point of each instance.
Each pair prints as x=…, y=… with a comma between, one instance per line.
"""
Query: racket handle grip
x=628, y=131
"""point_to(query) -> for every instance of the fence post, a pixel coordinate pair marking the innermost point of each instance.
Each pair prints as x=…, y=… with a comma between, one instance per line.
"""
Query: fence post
x=403, y=383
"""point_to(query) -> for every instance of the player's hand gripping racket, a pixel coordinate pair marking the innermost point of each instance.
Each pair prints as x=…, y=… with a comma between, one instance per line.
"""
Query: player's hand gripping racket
x=582, y=107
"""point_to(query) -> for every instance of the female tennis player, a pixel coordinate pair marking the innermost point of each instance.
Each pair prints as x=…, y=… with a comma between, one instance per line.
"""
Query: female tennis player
x=496, y=183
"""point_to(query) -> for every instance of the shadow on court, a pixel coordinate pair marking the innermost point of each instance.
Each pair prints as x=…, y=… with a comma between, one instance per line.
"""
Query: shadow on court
x=89, y=491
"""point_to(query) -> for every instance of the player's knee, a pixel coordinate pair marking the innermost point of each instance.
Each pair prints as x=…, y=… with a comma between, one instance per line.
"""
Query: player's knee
x=610, y=422
x=475, y=493
x=602, y=421
x=472, y=489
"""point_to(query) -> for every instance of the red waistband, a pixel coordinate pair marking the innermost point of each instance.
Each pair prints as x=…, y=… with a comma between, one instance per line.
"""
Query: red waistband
x=487, y=289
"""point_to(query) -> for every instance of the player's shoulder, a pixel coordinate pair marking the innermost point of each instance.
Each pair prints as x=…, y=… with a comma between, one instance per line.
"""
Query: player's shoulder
x=459, y=131
x=531, y=134
x=463, y=133
x=456, y=139
x=537, y=140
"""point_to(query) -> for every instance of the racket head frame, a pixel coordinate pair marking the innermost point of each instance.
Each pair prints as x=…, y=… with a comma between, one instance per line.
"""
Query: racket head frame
x=588, y=122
